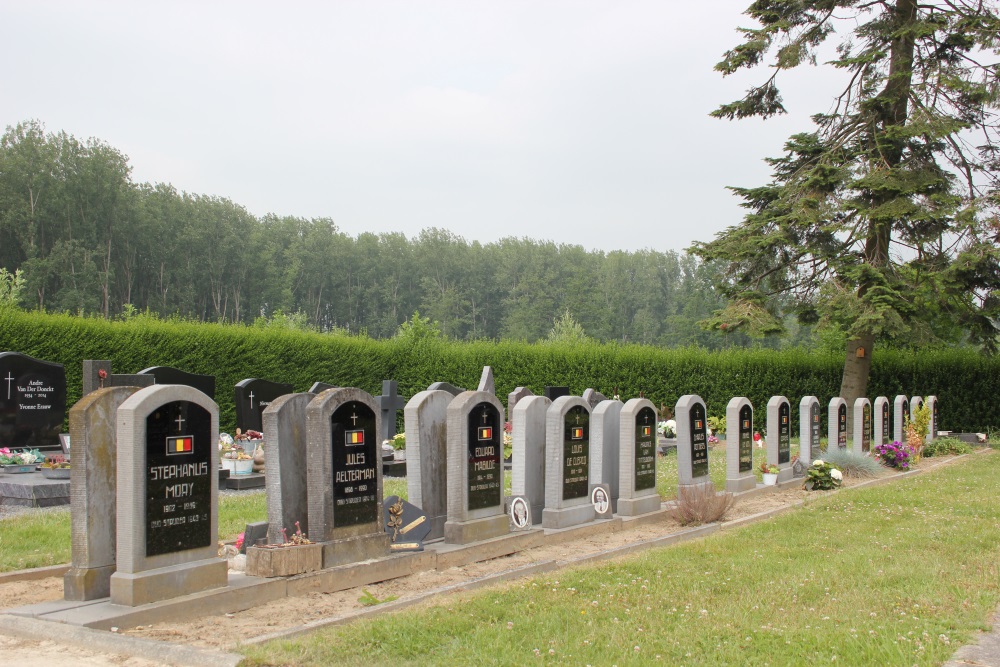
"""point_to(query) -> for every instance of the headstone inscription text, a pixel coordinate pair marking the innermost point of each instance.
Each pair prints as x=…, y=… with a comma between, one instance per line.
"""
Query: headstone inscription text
x=842, y=426
x=645, y=449
x=576, y=454
x=178, y=478
x=885, y=423
x=746, y=439
x=355, y=461
x=784, y=433
x=32, y=401
x=814, y=429
x=699, y=442
x=866, y=433
x=485, y=452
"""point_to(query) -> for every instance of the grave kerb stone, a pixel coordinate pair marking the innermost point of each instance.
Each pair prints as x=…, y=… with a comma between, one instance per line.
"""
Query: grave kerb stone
x=486, y=381
x=285, y=460
x=879, y=431
x=528, y=459
x=809, y=430
x=388, y=404
x=93, y=487
x=737, y=481
x=686, y=451
x=560, y=512
x=633, y=501
x=857, y=445
x=426, y=425
x=779, y=422
x=900, y=412
x=605, y=429
x=932, y=429
x=141, y=579
x=833, y=423
x=350, y=543
x=466, y=525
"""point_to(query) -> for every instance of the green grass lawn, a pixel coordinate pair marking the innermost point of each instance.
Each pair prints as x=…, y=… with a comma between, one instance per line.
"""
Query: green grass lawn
x=898, y=574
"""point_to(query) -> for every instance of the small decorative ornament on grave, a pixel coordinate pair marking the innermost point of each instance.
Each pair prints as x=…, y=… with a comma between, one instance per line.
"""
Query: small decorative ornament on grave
x=16, y=462
x=55, y=467
x=406, y=524
x=769, y=473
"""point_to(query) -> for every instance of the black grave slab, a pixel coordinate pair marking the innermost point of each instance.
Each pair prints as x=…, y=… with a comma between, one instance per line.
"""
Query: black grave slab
x=842, y=426
x=31, y=489
x=699, y=441
x=252, y=396
x=745, y=439
x=254, y=480
x=169, y=375
x=32, y=402
x=784, y=433
x=355, y=453
x=405, y=524
x=552, y=393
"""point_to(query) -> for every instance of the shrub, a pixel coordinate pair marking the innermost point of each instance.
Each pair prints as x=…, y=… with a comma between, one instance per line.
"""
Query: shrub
x=947, y=447
x=701, y=504
x=894, y=455
x=852, y=464
x=822, y=476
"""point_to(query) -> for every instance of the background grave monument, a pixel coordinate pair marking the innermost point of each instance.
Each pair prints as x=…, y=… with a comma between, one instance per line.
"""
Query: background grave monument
x=739, y=445
x=915, y=404
x=692, y=442
x=552, y=393
x=446, y=386
x=809, y=430
x=167, y=512
x=93, y=381
x=93, y=491
x=527, y=470
x=389, y=403
x=169, y=375
x=900, y=413
x=475, y=469
x=345, y=476
x=605, y=431
x=32, y=402
x=286, y=461
x=837, y=423
x=637, y=458
x=862, y=443
x=486, y=381
x=880, y=421
x=252, y=396
x=593, y=398
x=512, y=399
x=933, y=427
x=320, y=387
x=426, y=418
x=779, y=436
x=567, y=463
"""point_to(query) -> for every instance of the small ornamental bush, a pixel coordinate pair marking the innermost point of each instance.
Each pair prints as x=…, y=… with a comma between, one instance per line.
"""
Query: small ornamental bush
x=853, y=464
x=822, y=476
x=947, y=447
x=894, y=455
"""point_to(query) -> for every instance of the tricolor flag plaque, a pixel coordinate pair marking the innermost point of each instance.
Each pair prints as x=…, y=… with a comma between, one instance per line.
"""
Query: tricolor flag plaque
x=354, y=438
x=485, y=433
x=647, y=431
x=181, y=444
x=576, y=433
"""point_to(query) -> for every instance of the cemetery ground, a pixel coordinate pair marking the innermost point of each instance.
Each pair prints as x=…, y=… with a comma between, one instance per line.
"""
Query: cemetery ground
x=901, y=573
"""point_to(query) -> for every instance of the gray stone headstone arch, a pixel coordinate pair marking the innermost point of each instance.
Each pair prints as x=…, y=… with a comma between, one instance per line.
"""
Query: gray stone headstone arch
x=739, y=445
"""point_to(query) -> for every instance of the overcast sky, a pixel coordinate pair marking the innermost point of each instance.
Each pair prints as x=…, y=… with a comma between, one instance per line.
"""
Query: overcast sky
x=579, y=122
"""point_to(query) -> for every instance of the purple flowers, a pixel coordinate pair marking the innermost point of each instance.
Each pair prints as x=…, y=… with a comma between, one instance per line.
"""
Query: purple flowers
x=894, y=455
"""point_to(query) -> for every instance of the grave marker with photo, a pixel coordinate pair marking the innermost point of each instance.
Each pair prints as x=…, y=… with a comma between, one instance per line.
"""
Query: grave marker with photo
x=567, y=463
x=528, y=459
x=605, y=431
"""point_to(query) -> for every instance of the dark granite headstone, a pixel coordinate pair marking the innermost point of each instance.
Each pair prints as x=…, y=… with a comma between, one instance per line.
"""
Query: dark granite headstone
x=178, y=482
x=485, y=456
x=92, y=379
x=252, y=396
x=552, y=393
x=784, y=433
x=842, y=426
x=356, y=459
x=886, y=433
x=814, y=430
x=746, y=439
x=576, y=453
x=645, y=449
x=866, y=433
x=168, y=375
x=32, y=401
x=699, y=441
x=405, y=523
x=389, y=403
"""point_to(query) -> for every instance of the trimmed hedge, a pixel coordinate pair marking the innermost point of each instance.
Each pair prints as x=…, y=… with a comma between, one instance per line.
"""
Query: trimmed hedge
x=965, y=382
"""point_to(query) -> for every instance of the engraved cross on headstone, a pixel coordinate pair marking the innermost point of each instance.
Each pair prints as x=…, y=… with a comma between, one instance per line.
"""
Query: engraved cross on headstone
x=354, y=418
x=389, y=403
x=251, y=399
x=180, y=422
x=9, y=379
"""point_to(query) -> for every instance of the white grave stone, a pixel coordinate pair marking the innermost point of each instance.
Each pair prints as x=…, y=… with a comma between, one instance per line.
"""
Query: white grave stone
x=692, y=442
x=900, y=413
x=880, y=421
x=528, y=458
x=932, y=431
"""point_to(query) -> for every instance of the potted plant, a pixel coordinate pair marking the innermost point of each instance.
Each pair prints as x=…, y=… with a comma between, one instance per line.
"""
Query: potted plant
x=769, y=472
x=55, y=467
x=19, y=462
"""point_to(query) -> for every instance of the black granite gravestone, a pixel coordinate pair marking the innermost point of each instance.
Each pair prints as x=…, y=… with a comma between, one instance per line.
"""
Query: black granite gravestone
x=814, y=430
x=699, y=441
x=168, y=375
x=576, y=453
x=784, y=433
x=746, y=439
x=842, y=426
x=32, y=402
x=866, y=430
x=552, y=393
x=935, y=425
x=355, y=459
x=886, y=433
x=904, y=417
x=645, y=449
x=178, y=478
x=389, y=403
x=252, y=396
x=485, y=456
x=405, y=523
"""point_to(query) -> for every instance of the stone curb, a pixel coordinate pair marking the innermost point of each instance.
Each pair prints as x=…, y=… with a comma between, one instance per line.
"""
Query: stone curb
x=107, y=642
x=34, y=573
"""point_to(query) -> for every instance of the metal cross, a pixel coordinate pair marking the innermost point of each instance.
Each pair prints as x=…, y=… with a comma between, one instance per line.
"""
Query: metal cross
x=9, y=379
x=251, y=399
x=354, y=418
x=484, y=414
x=180, y=422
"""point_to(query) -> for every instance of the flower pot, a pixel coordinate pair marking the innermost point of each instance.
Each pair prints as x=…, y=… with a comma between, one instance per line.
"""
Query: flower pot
x=18, y=468
x=55, y=473
x=228, y=464
x=242, y=466
x=770, y=479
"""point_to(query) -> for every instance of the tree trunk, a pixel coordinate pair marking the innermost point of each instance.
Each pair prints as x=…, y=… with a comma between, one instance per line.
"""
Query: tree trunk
x=854, y=384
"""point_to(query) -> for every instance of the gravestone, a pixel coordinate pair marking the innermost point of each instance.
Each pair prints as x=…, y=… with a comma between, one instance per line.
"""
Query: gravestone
x=320, y=387
x=593, y=397
x=475, y=469
x=528, y=459
x=552, y=393
x=405, y=524
x=692, y=442
x=167, y=511
x=837, y=423
x=426, y=423
x=900, y=413
x=916, y=403
x=512, y=399
x=252, y=397
x=862, y=443
x=93, y=381
x=446, y=386
x=388, y=404
x=286, y=462
x=739, y=445
x=809, y=430
x=567, y=463
x=486, y=381
x=93, y=504
x=932, y=431
x=637, y=459
x=32, y=402
x=880, y=421
x=345, y=476
x=605, y=430
x=169, y=375
x=779, y=436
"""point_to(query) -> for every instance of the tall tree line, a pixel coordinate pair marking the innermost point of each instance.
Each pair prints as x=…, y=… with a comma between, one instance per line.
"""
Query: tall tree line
x=88, y=240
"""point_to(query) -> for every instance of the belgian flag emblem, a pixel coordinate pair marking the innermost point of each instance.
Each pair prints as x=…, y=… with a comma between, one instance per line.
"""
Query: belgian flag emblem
x=354, y=437
x=647, y=431
x=784, y=419
x=698, y=423
x=576, y=433
x=182, y=444
x=485, y=432
x=746, y=423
